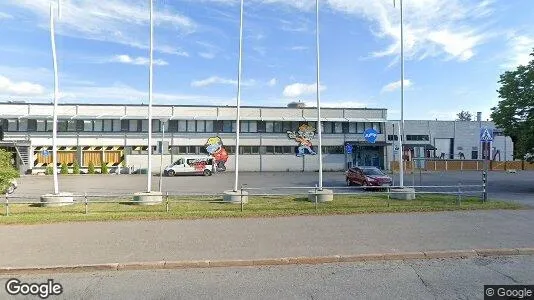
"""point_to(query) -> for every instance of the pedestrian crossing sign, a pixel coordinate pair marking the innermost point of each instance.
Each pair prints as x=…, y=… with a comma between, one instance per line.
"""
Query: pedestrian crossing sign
x=486, y=134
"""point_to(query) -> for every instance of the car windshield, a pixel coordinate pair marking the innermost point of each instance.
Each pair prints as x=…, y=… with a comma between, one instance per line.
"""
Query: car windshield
x=372, y=171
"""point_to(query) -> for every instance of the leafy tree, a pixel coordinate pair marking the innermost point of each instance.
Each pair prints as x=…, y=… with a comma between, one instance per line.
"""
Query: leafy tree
x=104, y=168
x=515, y=112
x=64, y=168
x=49, y=170
x=7, y=171
x=76, y=167
x=464, y=116
x=91, y=168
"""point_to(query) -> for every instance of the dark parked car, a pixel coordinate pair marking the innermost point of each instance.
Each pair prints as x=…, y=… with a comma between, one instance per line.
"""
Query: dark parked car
x=367, y=176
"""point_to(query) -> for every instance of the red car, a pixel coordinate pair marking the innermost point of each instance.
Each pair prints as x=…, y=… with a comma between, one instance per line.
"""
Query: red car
x=367, y=176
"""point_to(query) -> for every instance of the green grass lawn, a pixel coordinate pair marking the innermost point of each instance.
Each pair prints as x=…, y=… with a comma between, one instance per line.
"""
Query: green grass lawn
x=203, y=207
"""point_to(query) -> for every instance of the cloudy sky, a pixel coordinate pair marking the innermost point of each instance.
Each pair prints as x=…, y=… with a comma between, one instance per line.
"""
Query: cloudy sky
x=454, y=51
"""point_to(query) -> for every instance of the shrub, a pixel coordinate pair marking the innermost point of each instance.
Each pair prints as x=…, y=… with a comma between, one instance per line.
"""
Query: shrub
x=7, y=171
x=76, y=167
x=104, y=168
x=91, y=168
x=64, y=169
x=49, y=170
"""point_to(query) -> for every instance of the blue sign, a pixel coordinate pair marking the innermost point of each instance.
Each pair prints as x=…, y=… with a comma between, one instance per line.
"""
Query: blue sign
x=348, y=148
x=45, y=153
x=486, y=134
x=370, y=135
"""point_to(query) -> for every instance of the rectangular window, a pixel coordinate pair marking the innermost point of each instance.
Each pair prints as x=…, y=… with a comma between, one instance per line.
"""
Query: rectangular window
x=474, y=154
x=49, y=125
x=338, y=127
x=201, y=126
x=327, y=127
x=117, y=125
x=12, y=125
x=23, y=125
x=71, y=125
x=182, y=126
x=286, y=126
x=209, y=126
x=97, y=125
x=156, y=125
x=41, y=125
x=192, y=150
x=191, y=126
x=62, y=126
x=269, y=126
x=278, y=127
x=352, y=127
x=108, y=125
x=278, y=150
x=144, y=125
x=360, y=127
x=227, y=126
x=393, y=137
x=260, y=126
x=269, y=149
x=288, y=149
x=252, y=126
x=255, y=150
x=133, y=126
x=243, y=126
x=377, y=127
x=87, y=125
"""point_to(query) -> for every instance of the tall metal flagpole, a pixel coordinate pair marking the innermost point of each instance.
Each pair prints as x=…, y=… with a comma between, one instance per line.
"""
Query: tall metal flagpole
x=401, y=127
x=319, y=127
x=238, y=106
x=150, y=79
x=56, y=95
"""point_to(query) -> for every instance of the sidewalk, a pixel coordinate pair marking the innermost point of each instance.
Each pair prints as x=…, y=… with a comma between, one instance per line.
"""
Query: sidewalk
x=257, y=238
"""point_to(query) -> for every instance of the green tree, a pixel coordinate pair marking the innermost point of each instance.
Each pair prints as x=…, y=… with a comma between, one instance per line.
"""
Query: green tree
x=49, y=170
x=64, y=168
x=7, y=171
x=76, y=167
x=91, y=168
x=104, y=168
x=464, y=116
x=515, y=112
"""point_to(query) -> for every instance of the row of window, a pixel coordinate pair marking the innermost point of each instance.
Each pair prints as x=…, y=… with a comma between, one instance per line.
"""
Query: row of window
x=409, y=137
x=246, y=150
x=105, y=125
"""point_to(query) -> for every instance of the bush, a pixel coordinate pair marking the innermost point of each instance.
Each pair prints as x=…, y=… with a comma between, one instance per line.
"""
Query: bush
x=76, y=167
x=7, y=171
x=104, y=168
x=49, y=170
x=64, y=169
x=91, y=168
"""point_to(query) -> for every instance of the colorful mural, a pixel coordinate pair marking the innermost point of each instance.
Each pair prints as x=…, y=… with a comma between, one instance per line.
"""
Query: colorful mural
x=303, y=137
x=215, y=148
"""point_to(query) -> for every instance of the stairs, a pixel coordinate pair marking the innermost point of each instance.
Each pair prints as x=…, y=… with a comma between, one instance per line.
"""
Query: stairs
x=24, y=156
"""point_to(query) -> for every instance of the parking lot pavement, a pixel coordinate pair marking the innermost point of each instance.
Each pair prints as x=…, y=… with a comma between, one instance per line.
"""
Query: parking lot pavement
x=504, y=186
x=411, y=279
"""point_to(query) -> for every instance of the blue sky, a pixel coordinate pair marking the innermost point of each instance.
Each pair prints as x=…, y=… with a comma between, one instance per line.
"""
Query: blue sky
x=455, y=51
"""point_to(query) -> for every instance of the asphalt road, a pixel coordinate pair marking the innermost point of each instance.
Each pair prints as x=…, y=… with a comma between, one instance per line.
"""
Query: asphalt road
x=411, y=279
x=515, y=187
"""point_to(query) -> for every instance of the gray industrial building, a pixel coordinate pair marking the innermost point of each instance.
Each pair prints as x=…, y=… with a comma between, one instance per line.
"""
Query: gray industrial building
x=116, y=134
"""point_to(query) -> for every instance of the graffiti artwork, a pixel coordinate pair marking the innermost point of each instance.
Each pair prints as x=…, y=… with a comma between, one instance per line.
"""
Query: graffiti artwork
x=215, y=148
x=303, y=137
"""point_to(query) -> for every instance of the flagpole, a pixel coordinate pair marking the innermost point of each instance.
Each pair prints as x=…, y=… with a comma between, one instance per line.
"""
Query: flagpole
x=318, y=93
x=56, y=94
x=401, y=125
x=238, y=106
x=150, y=82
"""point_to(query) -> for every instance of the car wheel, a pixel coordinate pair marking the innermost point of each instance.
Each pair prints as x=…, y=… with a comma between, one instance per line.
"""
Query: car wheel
x=170, y=173
x=207, y=173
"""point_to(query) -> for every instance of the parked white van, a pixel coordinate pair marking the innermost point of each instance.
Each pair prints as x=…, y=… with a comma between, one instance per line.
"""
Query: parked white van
x=190, y=164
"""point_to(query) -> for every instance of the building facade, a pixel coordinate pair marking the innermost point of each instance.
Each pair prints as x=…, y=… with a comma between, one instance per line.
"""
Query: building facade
x=271, y=139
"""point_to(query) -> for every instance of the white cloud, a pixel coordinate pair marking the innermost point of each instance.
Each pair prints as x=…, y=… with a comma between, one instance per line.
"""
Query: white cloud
x=521, y=47
x=219, y=80
x=142, y=61
x=5, y=16
x=117, y=21
x=299, y=48
x=301, y=89
x=20, y=88
x=390, y=87
x=272, y=82
x=206, y=55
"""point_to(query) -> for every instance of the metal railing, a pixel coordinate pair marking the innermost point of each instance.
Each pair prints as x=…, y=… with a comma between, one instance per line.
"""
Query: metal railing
x=86, y=199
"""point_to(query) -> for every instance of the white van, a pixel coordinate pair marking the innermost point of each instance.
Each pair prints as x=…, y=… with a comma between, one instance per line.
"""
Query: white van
x=190, y=164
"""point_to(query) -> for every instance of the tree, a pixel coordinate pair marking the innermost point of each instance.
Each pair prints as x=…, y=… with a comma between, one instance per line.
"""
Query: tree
x=91, y=168
x=104, y=168
x=64, y=168
x=76, y=167
x=7, y=171
x=464, y=116
x=515, y=112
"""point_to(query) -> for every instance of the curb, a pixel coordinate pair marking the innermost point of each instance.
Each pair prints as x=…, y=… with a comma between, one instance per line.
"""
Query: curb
x=301, y=260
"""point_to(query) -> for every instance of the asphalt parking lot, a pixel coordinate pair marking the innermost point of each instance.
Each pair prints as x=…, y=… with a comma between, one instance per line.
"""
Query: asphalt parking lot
x=504, y=186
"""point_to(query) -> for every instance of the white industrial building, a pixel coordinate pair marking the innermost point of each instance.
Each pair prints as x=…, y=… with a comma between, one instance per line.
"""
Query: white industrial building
x=116, y=134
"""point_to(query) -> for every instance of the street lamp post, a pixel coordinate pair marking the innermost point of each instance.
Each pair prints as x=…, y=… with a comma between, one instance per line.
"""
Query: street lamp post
x=238, y=104
x=163, y=121
x=318, y=92
x=56, y=95
x=401, y=126
x=150, y=81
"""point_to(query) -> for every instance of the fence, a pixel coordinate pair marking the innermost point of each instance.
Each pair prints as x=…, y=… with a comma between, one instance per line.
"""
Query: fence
x=458, y=191
x=462, y=165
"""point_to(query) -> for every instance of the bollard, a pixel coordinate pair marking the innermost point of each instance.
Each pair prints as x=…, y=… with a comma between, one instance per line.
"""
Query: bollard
x=241, y=197
x=459, y=200
x=7, y=206
x=484, y=190
x=166, y=201
x=85, y=202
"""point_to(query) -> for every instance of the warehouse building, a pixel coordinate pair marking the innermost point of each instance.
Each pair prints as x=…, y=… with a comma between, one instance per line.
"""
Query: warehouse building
x=270, y=136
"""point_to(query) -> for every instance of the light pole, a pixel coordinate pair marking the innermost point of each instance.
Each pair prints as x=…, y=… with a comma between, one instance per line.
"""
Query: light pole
x=163, y=121
x=401, y=126
x=318, y=92
x=150, y=81
x=56, y=95
x=238, y=104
